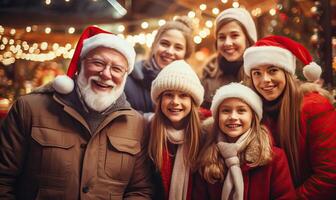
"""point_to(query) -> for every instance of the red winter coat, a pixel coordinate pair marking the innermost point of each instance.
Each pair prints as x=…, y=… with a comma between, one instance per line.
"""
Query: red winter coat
x=272, y=181
x=317, y=148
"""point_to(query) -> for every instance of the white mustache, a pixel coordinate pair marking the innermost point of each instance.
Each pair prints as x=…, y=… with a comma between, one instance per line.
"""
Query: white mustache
x=98, y=79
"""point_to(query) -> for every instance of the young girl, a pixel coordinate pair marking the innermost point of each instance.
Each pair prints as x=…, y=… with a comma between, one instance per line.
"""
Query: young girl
x=175, y=130
x=234, y=32
x=301, y=119
x=238, y=160
x=173, y=41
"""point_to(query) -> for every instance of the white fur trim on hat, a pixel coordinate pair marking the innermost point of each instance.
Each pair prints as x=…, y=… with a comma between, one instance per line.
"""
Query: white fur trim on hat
x=241, y=15
x=312, y=71
x=63, y=84
x=237, y=90
x=178, y=75
x=113, y=42
x=268, y=55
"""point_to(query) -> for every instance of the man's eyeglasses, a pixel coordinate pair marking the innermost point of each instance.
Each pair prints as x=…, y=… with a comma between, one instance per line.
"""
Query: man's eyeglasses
x=95, y=64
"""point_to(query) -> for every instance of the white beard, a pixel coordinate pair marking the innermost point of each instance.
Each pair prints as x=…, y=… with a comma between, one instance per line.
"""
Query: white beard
x=99, y=101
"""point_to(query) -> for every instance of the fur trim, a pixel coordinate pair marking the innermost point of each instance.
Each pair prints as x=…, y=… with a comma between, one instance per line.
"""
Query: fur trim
x=47, y=88
x=313, y=87
x=312, y=71
x=271, y=55
x=63, y=84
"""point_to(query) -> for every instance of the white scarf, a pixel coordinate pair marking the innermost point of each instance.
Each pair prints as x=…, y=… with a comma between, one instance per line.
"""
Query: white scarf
x=180, y=175
x=234, y=178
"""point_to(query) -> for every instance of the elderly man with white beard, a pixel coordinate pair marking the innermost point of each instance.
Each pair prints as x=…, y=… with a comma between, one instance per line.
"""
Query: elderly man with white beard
x=78, y=138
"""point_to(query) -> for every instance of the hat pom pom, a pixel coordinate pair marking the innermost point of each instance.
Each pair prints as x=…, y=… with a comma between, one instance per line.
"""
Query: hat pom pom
x=312, y=71
x=63, y=84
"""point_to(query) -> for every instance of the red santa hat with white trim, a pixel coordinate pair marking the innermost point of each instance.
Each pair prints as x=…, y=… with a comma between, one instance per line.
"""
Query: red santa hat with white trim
x=281, y=52
x=91, y=38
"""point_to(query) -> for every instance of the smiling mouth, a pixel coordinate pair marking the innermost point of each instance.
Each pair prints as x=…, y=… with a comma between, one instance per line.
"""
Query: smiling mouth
x=233, y=125
x=268, y=88
x=102, y=85
x=167, y=59
x=175, y=110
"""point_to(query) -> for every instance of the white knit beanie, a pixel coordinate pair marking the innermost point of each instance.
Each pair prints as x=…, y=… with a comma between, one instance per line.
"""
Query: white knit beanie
x=178, y=75
x=237, y=90
x=241, y=15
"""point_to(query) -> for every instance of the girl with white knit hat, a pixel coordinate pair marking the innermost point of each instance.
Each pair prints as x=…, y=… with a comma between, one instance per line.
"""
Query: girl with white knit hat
x=237, y=160
x=300, y=116
x=175, y=129
x=235, y=30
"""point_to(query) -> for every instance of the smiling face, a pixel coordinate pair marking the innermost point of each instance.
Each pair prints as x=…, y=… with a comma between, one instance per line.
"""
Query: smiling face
x=102, y=77
x=234, y=117
x=170, y=47
x=176, y=105
x=269, y=81
x=231, y=41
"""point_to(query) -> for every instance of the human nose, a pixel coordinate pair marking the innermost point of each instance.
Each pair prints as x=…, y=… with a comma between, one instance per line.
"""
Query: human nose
x=266, y=77
x=233, y=115
x=175, y=100
x=106, y=72
x=170, y=50
x=228, y=41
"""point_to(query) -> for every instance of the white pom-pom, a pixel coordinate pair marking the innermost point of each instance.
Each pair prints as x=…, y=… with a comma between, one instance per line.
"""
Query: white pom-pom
x=312, y=71
x=63, y=84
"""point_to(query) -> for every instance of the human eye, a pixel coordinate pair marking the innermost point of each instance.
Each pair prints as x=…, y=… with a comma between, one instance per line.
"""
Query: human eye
x=184, y=95
x=256, y=73
x=164, y=43
x=273, y=70
x=98, y=63
x=167, y=94
x=241, y=110
x=117, y=69
x=225, y=110
x=221, y=37
x=179, y=47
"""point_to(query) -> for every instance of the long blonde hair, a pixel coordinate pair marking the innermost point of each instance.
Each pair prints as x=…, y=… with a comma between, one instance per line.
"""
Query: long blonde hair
x=257, y=152
x=158, y=139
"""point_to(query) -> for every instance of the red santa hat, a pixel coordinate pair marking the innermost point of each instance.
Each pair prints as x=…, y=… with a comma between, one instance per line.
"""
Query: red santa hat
x=281, y=52
x=91, y=38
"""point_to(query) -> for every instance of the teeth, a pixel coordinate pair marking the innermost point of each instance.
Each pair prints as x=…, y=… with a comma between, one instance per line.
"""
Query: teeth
x=175, y=110
x=233, y=125
x=102, y=84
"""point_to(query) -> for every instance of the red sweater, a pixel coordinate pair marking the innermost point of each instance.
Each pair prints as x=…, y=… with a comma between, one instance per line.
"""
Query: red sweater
x=167, y=170
x=272, y=181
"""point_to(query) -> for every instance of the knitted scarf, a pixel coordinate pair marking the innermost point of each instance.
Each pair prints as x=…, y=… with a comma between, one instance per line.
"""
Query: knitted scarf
x=180, y=176
x=234, y=178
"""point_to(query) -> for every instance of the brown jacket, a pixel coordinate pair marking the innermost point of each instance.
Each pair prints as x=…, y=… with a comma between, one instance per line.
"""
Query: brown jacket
x=47, y=152
x=213, y=78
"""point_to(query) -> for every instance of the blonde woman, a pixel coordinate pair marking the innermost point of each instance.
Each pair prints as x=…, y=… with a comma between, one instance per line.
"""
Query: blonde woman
x=175, y=129
x=173, y=41
x=301, y=119
x=238, y=161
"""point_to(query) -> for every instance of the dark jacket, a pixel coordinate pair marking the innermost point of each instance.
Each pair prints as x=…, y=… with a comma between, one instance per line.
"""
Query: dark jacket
x=138, y=86
x=213, y=77
x=47, y=151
